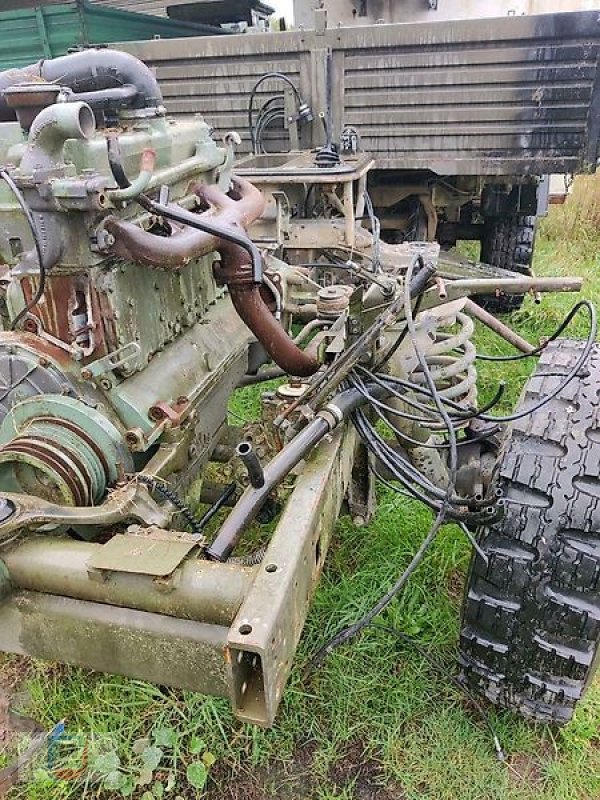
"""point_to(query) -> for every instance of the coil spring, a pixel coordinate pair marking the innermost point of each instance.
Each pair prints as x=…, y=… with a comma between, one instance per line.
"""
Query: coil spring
x=451, y=359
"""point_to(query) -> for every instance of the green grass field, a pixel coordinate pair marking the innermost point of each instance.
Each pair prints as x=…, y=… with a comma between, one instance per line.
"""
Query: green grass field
x=377, y=722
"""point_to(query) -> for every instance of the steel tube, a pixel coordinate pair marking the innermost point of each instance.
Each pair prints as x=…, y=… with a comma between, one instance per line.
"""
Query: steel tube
x=248, y=303
x=175, y=251
x=494, y=324
x=253, y=499
x=462, y=286
x=121, y=641
x=252, y=463
x=199, y=590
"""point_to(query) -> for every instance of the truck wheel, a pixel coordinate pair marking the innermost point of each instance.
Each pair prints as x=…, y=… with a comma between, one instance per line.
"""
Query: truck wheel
x=507, y=243
x=531, y=617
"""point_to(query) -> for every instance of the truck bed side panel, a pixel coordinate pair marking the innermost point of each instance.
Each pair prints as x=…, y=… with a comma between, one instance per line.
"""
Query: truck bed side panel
x=506, y=96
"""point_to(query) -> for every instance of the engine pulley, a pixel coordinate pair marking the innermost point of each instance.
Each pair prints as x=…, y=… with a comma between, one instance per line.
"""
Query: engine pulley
x=60, y=449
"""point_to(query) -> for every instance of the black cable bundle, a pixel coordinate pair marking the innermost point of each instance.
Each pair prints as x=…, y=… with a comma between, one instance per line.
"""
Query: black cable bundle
x=407, y=479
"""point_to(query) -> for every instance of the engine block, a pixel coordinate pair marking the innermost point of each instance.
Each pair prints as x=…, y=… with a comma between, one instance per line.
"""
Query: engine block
x=123, y=346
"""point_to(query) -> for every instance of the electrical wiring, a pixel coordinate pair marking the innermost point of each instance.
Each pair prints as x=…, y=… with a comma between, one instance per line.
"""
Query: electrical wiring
x=572, y=373
x=399, y=339
x=410, y=478
x=459, y=413
x=351, y=631
x=159, y=486
x=379, y=407
x=39, y=293
x=271, y=112
x=268, y=76
x=375, y=231
x=438, y=666
x=446, y=503
x=540, y=349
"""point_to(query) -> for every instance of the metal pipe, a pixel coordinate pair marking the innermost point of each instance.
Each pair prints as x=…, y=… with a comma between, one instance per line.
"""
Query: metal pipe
x=252, y=463
x=198, y=589
x=249, y=304
x=50, y=130
x=494, y=324
x=199, y=234
x=141, y=183
x=218, y=231
x=462, y=286
x=262, y=377
x=253, y=499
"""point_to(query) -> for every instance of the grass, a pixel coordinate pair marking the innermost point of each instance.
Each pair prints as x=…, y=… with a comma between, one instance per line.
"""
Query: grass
x=377, y=722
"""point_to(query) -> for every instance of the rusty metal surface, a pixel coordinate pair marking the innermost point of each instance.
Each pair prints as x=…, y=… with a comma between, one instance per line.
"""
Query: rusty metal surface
x=515, y=95
x=264, y=636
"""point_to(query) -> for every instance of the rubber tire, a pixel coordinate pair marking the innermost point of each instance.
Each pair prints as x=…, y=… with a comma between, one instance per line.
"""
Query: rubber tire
x=531, y=617
x=508, y=243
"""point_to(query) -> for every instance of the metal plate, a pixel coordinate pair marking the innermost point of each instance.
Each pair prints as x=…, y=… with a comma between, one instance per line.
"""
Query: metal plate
x=141, y=555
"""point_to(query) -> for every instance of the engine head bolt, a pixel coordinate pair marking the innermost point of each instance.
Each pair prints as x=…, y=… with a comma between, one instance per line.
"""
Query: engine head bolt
x=156, y=413
x=135, y=439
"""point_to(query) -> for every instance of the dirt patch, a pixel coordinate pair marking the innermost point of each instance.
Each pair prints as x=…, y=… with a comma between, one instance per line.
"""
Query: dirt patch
x=298, y=780
x=12, y=673
x=525, y=770
x=294, y=781
x=456, y=586
x=358, y=769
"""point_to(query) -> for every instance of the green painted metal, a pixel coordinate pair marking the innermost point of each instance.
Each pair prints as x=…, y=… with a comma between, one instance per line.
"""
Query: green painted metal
x=123, y=641
x=47, y=31
x=196, y=589
x=5, y=582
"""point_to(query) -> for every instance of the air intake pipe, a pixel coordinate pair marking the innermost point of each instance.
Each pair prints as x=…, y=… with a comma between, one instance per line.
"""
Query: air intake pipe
x=93, y=75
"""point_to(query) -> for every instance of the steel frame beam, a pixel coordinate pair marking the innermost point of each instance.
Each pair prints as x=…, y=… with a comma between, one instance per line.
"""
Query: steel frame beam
x=248, y=661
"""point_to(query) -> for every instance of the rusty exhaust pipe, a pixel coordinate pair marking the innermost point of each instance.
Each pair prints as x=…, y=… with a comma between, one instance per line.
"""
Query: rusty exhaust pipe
x=222, y=231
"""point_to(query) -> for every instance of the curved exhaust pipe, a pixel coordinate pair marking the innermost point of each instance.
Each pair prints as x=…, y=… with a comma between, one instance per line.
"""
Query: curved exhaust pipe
x=228, y=218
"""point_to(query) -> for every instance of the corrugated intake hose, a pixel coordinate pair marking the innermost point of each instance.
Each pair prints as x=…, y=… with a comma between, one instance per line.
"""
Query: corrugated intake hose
x=97, y=75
